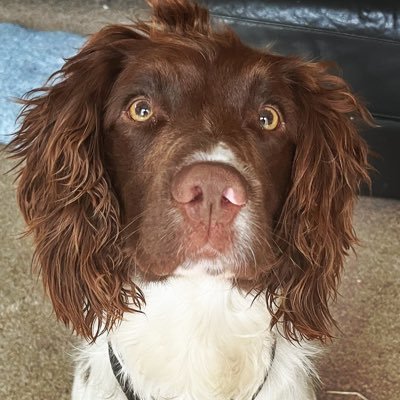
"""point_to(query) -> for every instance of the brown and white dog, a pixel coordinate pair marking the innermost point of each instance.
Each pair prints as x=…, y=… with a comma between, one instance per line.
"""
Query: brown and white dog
x=191, y=203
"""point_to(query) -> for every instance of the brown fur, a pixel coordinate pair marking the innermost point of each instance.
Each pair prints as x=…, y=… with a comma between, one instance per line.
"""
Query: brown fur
x=94, y=186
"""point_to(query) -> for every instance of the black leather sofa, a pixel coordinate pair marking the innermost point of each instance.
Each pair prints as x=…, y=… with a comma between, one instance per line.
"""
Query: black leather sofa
x=361, y=36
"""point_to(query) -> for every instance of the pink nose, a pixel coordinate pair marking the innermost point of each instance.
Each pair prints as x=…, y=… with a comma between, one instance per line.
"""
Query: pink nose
x=211, y=193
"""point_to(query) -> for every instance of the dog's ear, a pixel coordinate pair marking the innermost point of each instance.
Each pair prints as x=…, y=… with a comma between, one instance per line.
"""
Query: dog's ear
x=64, y=191
x=315, y=230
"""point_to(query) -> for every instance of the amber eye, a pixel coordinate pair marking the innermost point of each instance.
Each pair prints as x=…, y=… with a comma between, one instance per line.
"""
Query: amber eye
x=269, y=118
x=140, y=110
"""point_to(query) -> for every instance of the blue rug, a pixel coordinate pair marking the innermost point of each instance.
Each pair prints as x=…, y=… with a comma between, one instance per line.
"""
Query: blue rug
x=27, y=59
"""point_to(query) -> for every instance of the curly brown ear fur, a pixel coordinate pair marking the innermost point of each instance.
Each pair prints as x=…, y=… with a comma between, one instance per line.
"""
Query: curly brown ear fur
x=65, y=194
x=315, y=229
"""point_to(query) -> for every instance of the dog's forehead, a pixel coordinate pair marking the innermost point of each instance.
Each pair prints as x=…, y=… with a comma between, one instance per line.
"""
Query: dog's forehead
x=189, y=66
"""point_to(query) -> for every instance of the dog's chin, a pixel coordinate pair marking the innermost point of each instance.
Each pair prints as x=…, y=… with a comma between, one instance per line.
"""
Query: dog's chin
x=206, y=260
x=214, y=266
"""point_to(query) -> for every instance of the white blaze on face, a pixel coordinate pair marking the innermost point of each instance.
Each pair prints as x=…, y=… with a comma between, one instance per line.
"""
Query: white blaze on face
x=220, y=153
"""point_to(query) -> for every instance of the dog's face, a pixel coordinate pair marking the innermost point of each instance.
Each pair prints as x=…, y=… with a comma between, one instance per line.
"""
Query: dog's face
x=179, y=122
x=169, y=145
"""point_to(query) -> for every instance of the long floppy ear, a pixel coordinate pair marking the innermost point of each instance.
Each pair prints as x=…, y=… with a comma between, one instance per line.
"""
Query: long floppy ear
x=64, y=191
x=315, y=230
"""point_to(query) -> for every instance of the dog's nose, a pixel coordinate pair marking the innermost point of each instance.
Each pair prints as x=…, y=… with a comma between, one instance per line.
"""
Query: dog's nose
x=211, y=193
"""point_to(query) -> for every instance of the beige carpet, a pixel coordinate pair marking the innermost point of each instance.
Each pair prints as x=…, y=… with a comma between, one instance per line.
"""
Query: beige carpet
x=365, y=358
x=34, y=363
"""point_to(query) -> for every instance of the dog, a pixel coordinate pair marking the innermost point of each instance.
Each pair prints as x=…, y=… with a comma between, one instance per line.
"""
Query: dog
x=191, y=200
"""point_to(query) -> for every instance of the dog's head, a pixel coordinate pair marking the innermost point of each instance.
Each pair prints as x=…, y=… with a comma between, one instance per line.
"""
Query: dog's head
x=170, y=144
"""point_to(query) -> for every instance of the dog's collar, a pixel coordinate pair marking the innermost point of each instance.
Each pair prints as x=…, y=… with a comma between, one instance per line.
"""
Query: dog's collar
x=130, y=393
x=117, y=369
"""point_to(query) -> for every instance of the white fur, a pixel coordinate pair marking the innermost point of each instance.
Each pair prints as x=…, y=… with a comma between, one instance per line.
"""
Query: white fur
x=198, y=339
x=219, y=153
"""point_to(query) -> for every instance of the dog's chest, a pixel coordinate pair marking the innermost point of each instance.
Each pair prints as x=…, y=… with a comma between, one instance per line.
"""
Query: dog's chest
x=197, y=335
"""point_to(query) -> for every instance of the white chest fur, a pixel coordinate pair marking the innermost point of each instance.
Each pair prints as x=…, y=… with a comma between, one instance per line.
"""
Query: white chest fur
x=198, y=338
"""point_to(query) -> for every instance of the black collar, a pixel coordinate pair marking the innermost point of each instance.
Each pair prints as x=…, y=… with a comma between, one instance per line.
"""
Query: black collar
x=117, y=368
x=131, y=395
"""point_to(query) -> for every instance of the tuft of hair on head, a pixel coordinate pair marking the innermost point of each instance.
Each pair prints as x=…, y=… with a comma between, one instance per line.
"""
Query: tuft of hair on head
x=180, y=16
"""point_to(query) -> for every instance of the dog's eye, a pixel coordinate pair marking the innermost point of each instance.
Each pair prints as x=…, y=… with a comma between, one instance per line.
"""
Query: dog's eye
x=140, y=110
x=269, y=118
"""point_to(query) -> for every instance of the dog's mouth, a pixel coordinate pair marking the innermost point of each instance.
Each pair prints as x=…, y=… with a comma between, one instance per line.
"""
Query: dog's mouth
x=216, y=253
x=209, y=241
